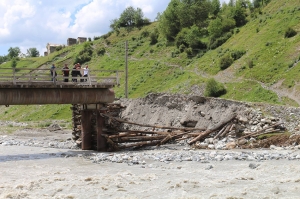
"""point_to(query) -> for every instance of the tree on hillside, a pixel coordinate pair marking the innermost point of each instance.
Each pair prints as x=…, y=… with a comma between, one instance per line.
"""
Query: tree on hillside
x=157, y=18
x=3, y=59
x=215, y=7
x=259, y=3
x=129, y=19
x=231, y=3
x=13, y=52
x=14, y=62
x=215, y=28
x=115, y=25
x=239, y=15
x=33, y=52
x=138, y=17
x=242, y=3
x=193, y=12
x=169, y=23
x=193, y=37
x=183, y=14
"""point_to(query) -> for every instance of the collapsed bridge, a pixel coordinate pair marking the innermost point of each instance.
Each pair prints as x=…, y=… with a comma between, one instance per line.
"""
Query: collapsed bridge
x=88, y=96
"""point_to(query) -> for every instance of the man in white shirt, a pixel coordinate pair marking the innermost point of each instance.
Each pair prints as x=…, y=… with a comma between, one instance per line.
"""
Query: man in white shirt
x=86, y=72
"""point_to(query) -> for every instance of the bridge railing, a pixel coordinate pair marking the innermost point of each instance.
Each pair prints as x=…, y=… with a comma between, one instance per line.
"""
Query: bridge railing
x=30, y=76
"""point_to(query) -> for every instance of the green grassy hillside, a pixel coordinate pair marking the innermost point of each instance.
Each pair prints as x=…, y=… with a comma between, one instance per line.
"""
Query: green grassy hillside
x=270, y=62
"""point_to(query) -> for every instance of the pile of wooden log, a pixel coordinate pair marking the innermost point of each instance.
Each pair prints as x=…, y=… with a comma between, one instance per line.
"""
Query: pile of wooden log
x=121, y=138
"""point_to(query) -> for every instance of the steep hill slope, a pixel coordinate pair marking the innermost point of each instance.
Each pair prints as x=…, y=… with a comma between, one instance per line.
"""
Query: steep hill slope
x=269, y=71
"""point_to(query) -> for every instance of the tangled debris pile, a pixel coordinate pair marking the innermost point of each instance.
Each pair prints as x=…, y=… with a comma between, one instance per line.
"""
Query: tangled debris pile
x=201, y=122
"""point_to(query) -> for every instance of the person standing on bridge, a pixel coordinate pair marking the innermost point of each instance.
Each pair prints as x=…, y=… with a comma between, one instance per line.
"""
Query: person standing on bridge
x=86, y=72
x=53, y=72
x=66, y=71
x=74, y=73
x=78, y=67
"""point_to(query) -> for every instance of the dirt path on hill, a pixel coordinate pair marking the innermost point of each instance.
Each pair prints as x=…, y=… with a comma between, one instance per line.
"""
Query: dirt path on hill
x=228, y=75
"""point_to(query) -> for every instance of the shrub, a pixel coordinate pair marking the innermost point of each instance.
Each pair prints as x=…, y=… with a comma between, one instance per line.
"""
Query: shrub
x=107, y=41
x=145, y=33
x=250, y=63
x=268, y=43
x=58, y=48
x=180, y=38
x=154, y=37
x=237, y=54
x=215, y=43
x=214, y=88
x=97, y=37
x=175, y=53
x=189, y=51
x=101, y=51
x=82, y=58
x=182, y=48
x=225, y=61
x=146, y=21
x=291, y=64
x=85, y=54
x=290, y=32
x=105, y=36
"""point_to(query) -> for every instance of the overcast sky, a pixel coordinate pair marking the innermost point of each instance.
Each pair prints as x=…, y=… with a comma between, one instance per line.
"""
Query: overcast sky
x=34, y=23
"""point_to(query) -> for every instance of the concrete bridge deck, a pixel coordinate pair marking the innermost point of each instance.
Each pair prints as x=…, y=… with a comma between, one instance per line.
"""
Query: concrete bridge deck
x=36, y=86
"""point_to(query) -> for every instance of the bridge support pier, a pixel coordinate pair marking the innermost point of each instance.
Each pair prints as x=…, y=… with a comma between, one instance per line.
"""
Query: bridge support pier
x=86, y=129
x=92, y=127
x=101, y=142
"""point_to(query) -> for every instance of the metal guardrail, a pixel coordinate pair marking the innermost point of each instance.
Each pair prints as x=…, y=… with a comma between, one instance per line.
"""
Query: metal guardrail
x=17, y=76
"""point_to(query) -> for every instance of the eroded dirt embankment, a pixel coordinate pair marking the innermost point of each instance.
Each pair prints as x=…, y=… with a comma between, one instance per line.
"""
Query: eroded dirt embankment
x=207, y=113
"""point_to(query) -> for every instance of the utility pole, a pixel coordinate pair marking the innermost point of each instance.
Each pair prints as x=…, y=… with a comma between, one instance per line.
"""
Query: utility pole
x=126, y=69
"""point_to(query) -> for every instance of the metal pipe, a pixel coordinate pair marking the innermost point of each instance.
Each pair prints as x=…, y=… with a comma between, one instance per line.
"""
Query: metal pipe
x=27, y=96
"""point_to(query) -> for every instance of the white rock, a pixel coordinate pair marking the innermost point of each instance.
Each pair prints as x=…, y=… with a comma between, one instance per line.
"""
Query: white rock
x=6, y=143
x=219, y=157
x=210, y=140
x=202, y=145
x=250, y=158
x=228, y=157
x=219, y=146
x=279, y=148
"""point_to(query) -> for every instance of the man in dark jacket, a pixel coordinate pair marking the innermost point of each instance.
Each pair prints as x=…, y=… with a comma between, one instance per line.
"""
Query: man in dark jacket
x=66, y=71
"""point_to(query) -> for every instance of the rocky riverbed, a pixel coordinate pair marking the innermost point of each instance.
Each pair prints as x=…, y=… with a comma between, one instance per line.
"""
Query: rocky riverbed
x=39, y=163
x=171, y=171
